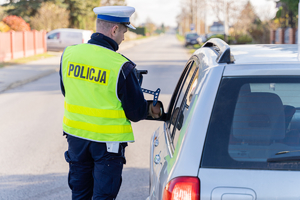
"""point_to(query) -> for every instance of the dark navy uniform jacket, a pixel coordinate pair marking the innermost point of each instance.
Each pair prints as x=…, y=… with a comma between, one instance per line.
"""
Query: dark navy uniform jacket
x=129, y=90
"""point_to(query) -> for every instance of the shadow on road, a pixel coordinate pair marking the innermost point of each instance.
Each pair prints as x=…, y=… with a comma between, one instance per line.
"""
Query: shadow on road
x=49, y=83
x=135, y=185
x=30, y=187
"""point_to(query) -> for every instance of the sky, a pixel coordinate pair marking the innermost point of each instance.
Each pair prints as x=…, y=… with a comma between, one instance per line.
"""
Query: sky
x=165, y=11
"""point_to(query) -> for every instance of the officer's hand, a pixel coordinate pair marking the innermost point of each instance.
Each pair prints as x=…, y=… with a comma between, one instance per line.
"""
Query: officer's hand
x=155, y=111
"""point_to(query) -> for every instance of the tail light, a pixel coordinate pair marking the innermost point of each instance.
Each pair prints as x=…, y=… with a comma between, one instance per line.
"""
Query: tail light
x=182, y=188
x=82, y=40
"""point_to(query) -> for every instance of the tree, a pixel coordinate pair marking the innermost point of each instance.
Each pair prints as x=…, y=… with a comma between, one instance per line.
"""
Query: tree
x=81, y=13
x=23, y=8
x=246, y=19
x=150, y=26
x=16, y=23
x=292, y=5
x=249, y=25
x=231, y=7
x=196, y=11
x=49, y=17
x=286, y=15
x=192, y=12
x=113, y=3
x=2, y=13
x=4, y=27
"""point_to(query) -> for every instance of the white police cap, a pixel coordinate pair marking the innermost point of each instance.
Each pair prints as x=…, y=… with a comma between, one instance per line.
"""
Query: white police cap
x=119, y=14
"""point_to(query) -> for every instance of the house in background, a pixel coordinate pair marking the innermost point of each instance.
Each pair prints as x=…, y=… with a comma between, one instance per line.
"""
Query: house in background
x=217, y=28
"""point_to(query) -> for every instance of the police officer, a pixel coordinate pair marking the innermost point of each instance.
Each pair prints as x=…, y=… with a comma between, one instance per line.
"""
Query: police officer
x=101, y=95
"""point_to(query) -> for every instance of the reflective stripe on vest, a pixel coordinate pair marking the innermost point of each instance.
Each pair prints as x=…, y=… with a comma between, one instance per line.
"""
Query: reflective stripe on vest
x=92, y=108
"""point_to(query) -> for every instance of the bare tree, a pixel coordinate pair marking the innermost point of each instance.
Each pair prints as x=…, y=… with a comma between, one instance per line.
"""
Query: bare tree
x=49, y=17
x=2, y=13
x=226, y=8
x=217, y=8
x=113, y=3
x=246, y=19
x=183, y=20
x=201, y=16
x=187, y=15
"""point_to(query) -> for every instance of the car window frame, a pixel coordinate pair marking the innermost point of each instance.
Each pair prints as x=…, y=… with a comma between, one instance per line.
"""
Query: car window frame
x=184, y=95
x=176, y=94
x=174, y=136
x=54, y=36
x=177, y=90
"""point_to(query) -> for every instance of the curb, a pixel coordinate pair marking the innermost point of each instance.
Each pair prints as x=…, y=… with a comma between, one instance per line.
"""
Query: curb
x=18, y=83
x=28, y=80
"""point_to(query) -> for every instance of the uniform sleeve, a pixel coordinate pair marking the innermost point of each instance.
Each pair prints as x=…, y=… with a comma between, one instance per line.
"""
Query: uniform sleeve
x=62, y=88
x=131, y=95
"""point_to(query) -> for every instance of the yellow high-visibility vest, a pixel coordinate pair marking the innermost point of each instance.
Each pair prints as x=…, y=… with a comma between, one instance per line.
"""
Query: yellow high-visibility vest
x=93, y=110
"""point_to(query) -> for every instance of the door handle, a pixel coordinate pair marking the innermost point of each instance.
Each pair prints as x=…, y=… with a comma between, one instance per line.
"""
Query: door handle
x=157, y=159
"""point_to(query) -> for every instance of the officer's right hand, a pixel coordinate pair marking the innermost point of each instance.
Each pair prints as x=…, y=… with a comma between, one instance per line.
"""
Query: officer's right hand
x=155, y=111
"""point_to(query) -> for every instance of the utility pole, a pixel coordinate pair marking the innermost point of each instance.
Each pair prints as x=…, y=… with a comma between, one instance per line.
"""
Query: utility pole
x=298, y=30
x=226, y=21
x=191, y=16
x=198, y=17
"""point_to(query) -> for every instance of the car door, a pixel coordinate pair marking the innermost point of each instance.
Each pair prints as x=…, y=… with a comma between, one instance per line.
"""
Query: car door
x=71, y=37
x=165, y=138
x=54, y=40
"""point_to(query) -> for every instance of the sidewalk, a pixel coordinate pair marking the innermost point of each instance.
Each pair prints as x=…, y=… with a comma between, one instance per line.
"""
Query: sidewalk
x=17, y=75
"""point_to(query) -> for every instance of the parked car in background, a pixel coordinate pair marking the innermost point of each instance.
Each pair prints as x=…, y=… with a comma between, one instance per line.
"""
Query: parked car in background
x=59, y=39
x=191, y=39
x=201, y=39
x=232, y=129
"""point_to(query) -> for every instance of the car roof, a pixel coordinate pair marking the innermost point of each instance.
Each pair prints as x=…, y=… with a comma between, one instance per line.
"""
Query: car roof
x=191, y=33
x=251, y=53
x=265, y=53
x=68, y=30
x=244, y=60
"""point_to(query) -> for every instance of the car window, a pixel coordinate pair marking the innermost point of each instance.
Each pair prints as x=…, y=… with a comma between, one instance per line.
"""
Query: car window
x=54, y=36
x=182, y=102
x=255, y=124
x=185, y=104
x=173, y=110
x=192, y=35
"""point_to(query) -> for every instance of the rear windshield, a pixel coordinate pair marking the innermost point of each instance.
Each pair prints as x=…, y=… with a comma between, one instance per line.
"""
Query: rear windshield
x=255, y=124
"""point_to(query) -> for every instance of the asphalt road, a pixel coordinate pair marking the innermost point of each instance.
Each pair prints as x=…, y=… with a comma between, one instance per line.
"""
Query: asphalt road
x=32, y=165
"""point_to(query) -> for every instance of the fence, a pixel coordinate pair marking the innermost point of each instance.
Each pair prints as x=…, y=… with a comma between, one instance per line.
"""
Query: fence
x=284, y=36
x=21, y=44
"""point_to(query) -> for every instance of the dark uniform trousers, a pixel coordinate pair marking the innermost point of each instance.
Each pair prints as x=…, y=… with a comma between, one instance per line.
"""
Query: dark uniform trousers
x=94, y=172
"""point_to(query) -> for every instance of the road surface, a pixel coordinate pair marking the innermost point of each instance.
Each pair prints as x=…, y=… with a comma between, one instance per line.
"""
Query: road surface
x=32, y=165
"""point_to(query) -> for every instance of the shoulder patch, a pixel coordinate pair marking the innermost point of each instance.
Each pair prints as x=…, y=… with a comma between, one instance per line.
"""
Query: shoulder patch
x=127, y=68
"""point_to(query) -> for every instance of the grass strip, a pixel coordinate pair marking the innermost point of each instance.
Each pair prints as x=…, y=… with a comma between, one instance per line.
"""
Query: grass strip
x=25, y=60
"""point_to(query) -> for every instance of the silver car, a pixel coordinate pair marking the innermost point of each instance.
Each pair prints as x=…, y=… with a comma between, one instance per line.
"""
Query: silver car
x=232, y=129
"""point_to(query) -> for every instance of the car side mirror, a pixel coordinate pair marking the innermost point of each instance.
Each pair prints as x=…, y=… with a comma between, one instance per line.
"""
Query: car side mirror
x=163, y=114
